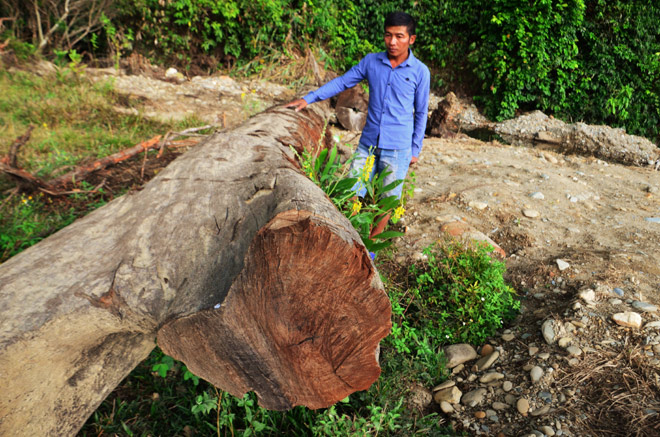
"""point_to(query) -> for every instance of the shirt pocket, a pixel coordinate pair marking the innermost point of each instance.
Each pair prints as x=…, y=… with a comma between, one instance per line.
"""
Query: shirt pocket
x=405, y=86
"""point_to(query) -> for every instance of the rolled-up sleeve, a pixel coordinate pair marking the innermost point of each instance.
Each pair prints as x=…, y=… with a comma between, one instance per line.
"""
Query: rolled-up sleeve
x=351, y=78
x=421, y=111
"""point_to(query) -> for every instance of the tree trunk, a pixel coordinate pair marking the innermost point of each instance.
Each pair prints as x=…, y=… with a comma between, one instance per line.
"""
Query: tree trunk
x=236, y=262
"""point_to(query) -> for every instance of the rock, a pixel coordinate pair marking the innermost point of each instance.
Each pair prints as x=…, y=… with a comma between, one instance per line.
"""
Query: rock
x=451, y=395
x=547, y=430
x=446, y=407
x=588, y=295
x=537, y=195
x=470, y=235
x=458, y=369
x=507, y=386
x=541, y=411
x=510, y=399
x=351, y=108
x=574, y=351
x=444, y=385
x=562, y=265
x=536, y=374
x=618, y=291
x=533, y=350
x=644, y=307
x=486, y=350
x=508, y=337
x=485, y=362
x=544, y=355
x=522, y=406
x=458, y=354
x=477, y=205
x=628, y=319
x=480, y=415
x=615, y=301
x=548, y=331
x=530, y=213
x=564, y=342
x=490, y=377
x=474, y=397
x=652, y=325
x=500, y=406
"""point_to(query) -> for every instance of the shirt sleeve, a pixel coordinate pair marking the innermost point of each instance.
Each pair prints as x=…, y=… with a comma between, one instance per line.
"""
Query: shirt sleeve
x=351, y=78
x=421, y=111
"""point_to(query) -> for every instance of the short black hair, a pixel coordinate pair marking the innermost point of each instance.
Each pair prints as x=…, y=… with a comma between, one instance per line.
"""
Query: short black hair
x=400, y=19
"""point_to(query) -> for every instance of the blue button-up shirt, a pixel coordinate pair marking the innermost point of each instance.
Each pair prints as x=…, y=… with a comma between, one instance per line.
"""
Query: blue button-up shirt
x=398, y=100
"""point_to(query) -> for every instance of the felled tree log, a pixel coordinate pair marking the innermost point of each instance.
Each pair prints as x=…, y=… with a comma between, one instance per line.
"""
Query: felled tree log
x=351, y=108
x=236, y=262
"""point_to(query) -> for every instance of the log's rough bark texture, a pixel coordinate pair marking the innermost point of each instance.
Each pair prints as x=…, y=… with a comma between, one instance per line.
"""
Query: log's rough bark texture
x=238, y=263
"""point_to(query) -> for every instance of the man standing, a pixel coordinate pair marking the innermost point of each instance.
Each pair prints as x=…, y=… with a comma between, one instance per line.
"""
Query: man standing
x=398, y=104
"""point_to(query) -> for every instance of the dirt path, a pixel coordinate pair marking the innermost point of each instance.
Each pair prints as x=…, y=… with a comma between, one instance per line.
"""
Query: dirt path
x=602, y=220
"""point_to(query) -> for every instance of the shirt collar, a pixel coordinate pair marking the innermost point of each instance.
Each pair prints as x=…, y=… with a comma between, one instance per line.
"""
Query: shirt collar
x=410, y=60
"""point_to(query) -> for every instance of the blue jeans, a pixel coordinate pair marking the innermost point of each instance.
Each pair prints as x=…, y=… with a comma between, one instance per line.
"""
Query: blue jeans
x=395, y=161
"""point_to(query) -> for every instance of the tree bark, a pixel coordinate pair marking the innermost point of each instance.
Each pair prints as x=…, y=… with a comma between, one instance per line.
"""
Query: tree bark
x=236, y=262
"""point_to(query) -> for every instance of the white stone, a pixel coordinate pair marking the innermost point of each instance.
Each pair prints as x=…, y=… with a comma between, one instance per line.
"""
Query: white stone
x=588, y=295
x=490, y=377
x=628, y=319
x=536, y=373
x=530, y=213
x=458, y=354
x=548, y=331
x=451, y=395
x=561, y=264
x=644, y=307
x=477, y=205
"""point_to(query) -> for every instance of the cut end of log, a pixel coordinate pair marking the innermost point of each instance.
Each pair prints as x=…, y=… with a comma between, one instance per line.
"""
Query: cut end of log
x=298, y=326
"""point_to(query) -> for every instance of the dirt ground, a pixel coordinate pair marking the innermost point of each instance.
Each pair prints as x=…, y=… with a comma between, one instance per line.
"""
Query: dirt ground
x=602, y=219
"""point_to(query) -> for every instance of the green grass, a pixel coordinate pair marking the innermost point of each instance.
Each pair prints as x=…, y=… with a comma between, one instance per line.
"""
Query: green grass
x=74, y=122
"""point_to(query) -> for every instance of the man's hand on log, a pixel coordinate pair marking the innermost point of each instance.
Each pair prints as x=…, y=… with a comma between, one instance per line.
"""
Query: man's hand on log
x=414, y=160
x=297, y=104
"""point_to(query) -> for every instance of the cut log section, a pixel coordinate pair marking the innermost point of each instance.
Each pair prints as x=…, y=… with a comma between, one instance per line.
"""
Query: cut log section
x=239, y=264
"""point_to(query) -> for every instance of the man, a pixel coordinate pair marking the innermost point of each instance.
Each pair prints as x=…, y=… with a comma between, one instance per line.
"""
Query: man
x=398, y=105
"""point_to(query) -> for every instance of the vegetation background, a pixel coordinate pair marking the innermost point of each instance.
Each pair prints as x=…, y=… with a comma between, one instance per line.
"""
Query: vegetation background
x=596, y=61
x=580, y=60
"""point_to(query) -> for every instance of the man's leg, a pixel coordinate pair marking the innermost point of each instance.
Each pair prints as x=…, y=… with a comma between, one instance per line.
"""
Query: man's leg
x=397, y=163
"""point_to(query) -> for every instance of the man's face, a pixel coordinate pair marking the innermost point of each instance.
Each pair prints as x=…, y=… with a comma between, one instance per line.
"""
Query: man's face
x=397, y=40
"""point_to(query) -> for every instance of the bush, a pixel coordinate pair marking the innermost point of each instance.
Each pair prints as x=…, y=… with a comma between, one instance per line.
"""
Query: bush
x=460, y=294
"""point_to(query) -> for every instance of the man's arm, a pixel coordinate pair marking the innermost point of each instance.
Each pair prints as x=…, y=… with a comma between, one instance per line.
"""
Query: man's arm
x=351, y=78
x=421, y=113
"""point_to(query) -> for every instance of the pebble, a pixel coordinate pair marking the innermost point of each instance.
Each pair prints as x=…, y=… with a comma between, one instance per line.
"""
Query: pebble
x=588, y=295
x=562, y=265
x=547, y=430
x=490, y=377
x=444, y=385
x=508, y=337
x=480, y=414
x=522, y=405
x=510, y=399
x=451, y=395
x=537, y=195
x=546, y=396
x=474, y=397
x=628, y=319
x=536, y=374
x=458, y=354
x=507, y=386
x=485, y=362
x=544, y=355
x=500, y=406
x=653, y=219
x=446, y=407
x=655, y=324
x=564, y=342
x=486, y=350
x=615, y=301
x=458, y=369
x=533, y=351
x=618, y=291
x=644, y=307
x=548, y=331
x=541, y=411
x=530, y=213
x=574, y=351
x=477, y=205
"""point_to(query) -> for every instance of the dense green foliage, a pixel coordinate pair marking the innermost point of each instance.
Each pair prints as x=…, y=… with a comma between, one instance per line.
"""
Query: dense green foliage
x=591, y=60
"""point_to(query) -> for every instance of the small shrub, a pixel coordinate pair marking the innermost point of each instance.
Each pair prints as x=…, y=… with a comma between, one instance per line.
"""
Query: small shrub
x=460, y=294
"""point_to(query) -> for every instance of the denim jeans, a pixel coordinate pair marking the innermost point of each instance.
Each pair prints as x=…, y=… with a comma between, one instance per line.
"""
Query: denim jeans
x=396, y=161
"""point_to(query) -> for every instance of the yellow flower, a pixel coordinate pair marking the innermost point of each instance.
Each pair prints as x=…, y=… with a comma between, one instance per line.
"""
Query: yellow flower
x=242, y=96
x=45, y=125
x=398, y=213
x=29, y=197
x=368, y=167
x=356, y=207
